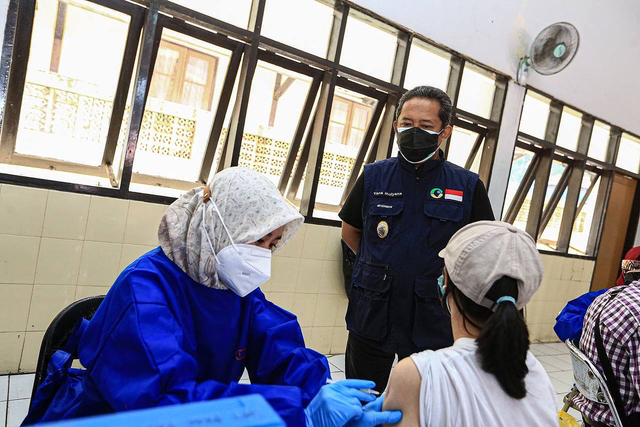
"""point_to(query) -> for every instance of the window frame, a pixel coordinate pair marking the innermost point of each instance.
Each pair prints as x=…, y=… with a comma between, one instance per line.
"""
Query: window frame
x=17, y=80
x=348, y=124
x=184, y=53
x=248, y=45
x=151, y=43
x=579, y=162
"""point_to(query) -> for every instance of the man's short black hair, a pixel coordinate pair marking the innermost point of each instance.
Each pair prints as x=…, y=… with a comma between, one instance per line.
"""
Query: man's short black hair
x=429, y=92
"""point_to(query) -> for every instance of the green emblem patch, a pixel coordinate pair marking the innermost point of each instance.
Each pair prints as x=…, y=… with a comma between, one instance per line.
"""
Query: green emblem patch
x=437, y=193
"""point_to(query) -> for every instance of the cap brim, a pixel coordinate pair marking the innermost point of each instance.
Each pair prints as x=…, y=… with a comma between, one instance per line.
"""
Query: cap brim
x=441, y=254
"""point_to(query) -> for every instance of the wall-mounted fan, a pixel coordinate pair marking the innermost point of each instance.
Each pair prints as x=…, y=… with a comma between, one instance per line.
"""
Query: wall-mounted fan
x=551, y=51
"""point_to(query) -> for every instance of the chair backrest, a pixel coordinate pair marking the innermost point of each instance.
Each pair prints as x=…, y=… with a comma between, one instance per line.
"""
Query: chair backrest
x=590, y=382
x=59, y=332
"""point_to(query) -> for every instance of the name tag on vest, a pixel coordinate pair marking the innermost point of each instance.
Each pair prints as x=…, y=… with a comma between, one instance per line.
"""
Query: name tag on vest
x=387, y=194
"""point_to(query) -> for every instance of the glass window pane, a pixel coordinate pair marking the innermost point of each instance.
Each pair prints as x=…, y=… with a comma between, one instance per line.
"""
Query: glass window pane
x=629, y=153
x=272, y=118
x=584, y=219
x=521, y=161
x=548, y=240
x=360, y=117
x=367, y=48
x=340, y=110
x=523, y=214
x=336, y=133
x=476, y=91
x=535, y=114
x=475, y=166
x=71, y=81
x=587, y=179
x=557, y=169
x=599, y=141
x=427, y=67
x=460, y=145
x=310, y=35
x=339, y=157
x=236, y=14
x=570, y=125
x=177, y=123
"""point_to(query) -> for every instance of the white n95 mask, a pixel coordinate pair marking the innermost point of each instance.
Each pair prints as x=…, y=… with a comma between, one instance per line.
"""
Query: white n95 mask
x=241, y=267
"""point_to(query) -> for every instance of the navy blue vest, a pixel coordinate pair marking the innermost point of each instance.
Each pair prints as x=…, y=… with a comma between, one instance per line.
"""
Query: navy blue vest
x=409, y=215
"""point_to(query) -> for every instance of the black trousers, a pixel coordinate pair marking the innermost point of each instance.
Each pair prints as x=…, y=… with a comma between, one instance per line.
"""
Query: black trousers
x=365, y=362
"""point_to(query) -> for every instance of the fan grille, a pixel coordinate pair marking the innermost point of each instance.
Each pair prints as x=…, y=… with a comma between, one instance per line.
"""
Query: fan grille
x=554, y=48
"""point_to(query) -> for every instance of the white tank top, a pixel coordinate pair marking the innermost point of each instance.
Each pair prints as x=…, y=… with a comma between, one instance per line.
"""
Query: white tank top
x=455, y=391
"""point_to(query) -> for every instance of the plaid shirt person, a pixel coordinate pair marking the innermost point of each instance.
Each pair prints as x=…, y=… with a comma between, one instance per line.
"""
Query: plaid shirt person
x=620, y=331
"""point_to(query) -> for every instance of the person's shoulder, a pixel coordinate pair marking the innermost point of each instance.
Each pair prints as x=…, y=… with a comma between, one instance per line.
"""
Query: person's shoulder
x=627, y=297
x=462, y=348
x=460, y=169
x=620, y=314
x=403, y=391
x=405, y=373
x=628, y=303
x=534, y=365
x=381, y=164
x=149, y=277
x=153, y=257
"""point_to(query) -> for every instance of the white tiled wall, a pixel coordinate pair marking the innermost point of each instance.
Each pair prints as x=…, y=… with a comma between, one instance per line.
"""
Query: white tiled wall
x=59, y=247
x=307, y=280
x=564, y=279
x=55, y=248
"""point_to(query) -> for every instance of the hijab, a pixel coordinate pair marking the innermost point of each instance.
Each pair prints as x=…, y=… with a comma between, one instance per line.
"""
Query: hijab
x=251, y=207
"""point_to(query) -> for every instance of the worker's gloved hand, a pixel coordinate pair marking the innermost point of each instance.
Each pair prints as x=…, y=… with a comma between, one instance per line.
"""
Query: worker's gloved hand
x=372, y=415
x=337, y=403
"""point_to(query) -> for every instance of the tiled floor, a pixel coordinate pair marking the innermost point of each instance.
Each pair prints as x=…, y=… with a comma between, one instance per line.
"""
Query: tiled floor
x=15, y=394
x=15, y=390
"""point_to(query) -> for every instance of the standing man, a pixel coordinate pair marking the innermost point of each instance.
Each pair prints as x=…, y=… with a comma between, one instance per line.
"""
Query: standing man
x=399, y=215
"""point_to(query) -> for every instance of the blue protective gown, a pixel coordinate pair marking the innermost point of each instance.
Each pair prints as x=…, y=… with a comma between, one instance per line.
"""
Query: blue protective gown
x=160, y=338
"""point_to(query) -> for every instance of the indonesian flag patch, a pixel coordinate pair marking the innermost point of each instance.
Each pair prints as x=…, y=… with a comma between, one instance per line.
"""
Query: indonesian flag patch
x=453, y=195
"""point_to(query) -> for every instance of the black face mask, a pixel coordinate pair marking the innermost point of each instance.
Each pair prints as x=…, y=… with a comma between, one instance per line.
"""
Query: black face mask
x=417, y=145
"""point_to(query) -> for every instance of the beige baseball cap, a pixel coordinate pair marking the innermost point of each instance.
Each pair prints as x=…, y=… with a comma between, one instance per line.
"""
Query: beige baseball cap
x=484, y=251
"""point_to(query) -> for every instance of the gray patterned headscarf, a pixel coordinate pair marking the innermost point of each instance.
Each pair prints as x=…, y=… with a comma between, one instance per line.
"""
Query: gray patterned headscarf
x=251, y=207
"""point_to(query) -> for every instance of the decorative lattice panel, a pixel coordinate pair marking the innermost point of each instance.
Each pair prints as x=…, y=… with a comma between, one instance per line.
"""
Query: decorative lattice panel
x=264, y=155
x=166, y=135
x=335, y=170
x=65, y=113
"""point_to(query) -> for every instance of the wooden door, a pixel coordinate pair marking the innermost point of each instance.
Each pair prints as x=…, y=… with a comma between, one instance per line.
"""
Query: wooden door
x=614, y=232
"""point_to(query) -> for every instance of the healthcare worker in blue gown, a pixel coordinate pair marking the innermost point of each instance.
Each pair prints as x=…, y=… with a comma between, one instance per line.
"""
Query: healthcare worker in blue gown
x=183, y=322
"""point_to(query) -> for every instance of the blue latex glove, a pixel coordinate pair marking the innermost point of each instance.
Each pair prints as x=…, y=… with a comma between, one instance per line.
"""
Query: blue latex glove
x=372, y=415
x=337, y=403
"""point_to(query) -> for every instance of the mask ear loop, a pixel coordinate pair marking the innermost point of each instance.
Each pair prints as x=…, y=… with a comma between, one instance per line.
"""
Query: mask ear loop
x=205, y=199
x=204, y=221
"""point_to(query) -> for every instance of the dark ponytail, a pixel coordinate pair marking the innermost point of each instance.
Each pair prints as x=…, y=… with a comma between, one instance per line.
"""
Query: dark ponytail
x=503, y=342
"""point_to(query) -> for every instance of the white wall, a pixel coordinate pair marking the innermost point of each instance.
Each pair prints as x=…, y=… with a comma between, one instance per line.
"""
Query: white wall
x=601, y=80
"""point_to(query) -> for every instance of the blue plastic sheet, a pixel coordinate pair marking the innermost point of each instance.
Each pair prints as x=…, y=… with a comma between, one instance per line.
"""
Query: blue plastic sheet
x=569, y=321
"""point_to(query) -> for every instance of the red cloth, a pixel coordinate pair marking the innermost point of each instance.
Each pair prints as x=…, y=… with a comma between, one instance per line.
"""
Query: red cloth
x=634, y=254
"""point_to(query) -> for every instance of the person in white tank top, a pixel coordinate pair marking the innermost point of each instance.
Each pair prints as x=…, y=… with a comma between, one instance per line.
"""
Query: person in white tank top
x=488, y=377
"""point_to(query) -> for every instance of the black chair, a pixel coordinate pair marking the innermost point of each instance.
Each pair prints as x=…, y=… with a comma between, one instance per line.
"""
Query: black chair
x=59, y=332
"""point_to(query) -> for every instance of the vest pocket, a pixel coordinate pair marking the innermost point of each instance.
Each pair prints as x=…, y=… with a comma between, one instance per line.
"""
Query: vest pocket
x=382, y=215
x=445, y=219
x=431, y=326
x=368, y=311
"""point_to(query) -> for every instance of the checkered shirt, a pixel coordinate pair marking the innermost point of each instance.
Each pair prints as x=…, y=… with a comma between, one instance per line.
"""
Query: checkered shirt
x=620, y=331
